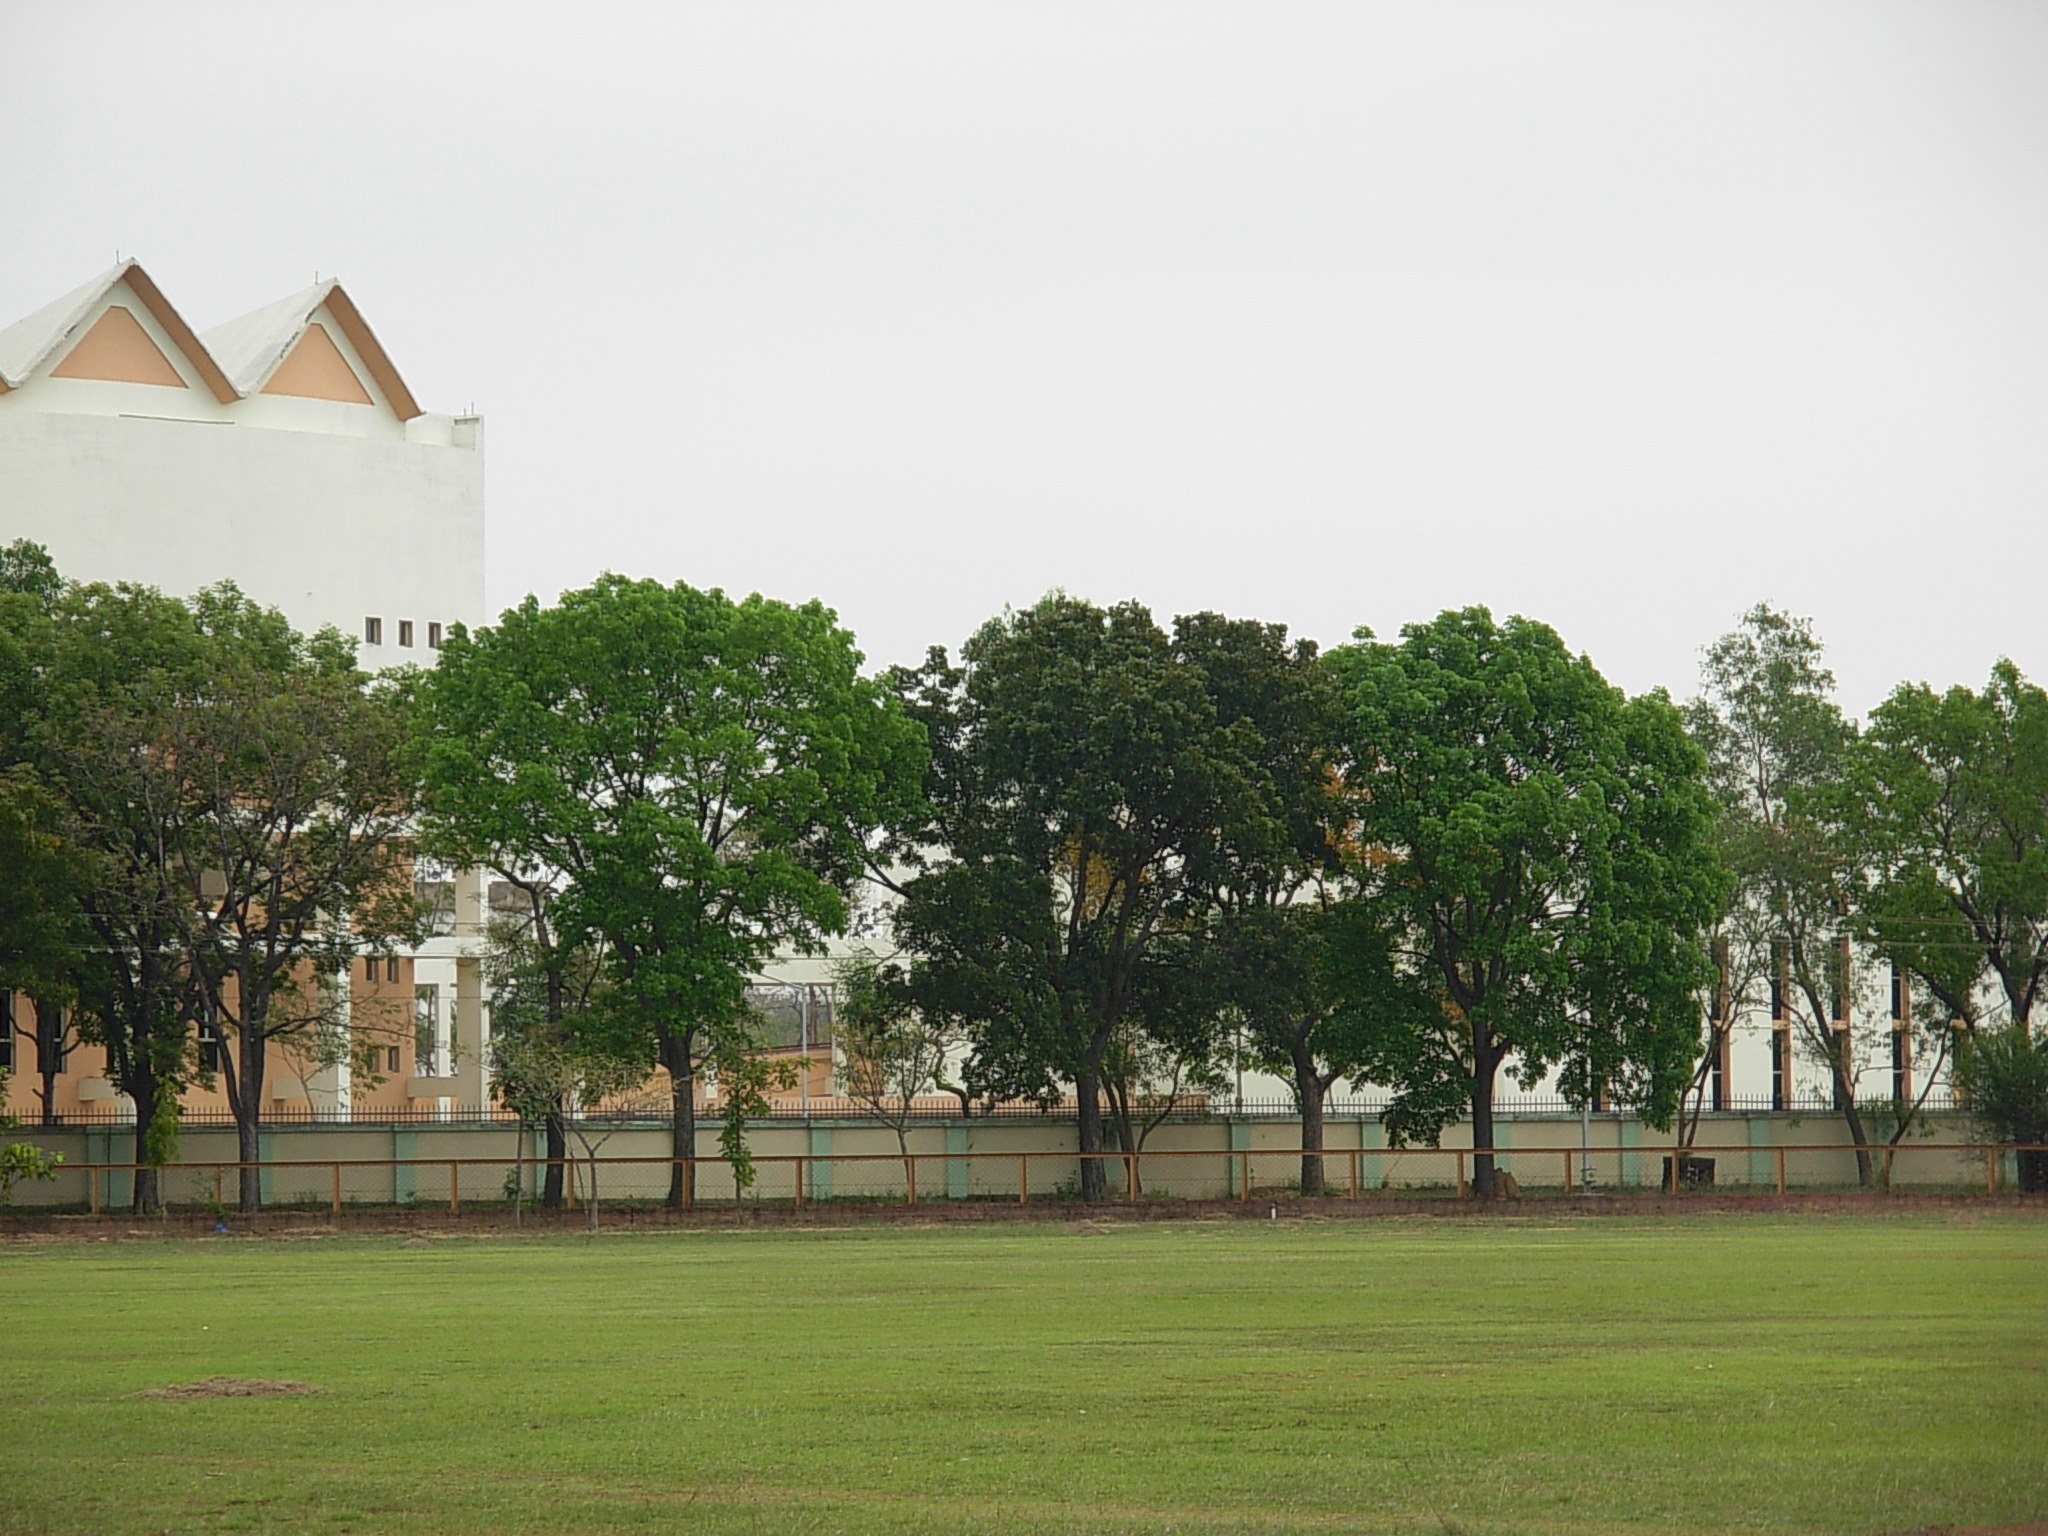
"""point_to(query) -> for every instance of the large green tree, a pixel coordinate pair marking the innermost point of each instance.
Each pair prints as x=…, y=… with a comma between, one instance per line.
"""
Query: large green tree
x=702, y=778
x=1540, y=863
x=1084, y=796
x=1276, y=884
x=1777, y=748
x=119, y=656
x=42, y=872
x=292, y=840
x=1948, y=800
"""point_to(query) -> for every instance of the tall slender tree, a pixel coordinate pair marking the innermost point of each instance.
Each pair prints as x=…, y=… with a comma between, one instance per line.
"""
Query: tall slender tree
x=1777, y=748
x=292, y=839
x=1947, y=794
x=1274, y=887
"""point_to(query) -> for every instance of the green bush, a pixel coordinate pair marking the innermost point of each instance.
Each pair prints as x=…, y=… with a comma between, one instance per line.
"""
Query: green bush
x=2002, y=1074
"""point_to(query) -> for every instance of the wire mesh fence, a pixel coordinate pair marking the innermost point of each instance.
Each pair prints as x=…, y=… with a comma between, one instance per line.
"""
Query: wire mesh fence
x=480, y=1185
x=649, y=1110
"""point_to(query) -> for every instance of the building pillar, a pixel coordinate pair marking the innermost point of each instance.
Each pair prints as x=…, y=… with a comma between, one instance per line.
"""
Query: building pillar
x=404, y=1177
x=956, y=1172
x=328, y=1090
x=470, y=1038
x=819, y=1184
x=1631, y=1162
x=1371, y=1170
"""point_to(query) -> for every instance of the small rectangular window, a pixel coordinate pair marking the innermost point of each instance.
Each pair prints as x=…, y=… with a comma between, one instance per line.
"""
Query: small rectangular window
x=426, y=1029
x=391, y=968
x=373, y=631
x=369, y=967
x=433, y=635
x=209, y=1041
x=391, y=1053
x=6, y=1031
x=405, y=632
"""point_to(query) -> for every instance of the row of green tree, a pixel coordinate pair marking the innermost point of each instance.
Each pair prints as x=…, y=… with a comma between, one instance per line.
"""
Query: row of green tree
x=1088, y=852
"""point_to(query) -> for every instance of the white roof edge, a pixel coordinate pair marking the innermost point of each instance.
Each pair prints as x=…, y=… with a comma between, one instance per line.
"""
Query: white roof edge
x=250, y=347
x=24, y=344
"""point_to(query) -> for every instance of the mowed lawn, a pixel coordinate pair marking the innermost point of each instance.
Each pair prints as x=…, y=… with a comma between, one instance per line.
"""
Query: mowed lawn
x=1709, y=1373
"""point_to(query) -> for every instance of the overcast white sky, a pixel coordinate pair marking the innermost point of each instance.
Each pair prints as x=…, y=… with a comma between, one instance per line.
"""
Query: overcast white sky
x=1621, y=315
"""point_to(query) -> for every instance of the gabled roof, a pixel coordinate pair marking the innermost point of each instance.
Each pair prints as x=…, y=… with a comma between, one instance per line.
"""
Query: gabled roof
x=27, y=344
x=252, y=348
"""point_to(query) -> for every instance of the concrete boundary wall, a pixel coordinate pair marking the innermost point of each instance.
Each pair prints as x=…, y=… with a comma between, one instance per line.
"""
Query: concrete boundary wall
x=966, y=1159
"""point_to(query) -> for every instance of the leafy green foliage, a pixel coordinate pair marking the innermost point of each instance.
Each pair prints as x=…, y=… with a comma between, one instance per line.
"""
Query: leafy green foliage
x=1540, y=871
x=21, y=1160
x=45, y=876
x=1778, y=749
x=701, y=779
x=1947, y=797
x=2001, y=1073
x=1084, y=798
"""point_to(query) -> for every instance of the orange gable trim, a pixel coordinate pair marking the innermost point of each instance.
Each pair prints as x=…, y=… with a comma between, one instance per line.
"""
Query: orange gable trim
x=314, y=369
x=120, y=351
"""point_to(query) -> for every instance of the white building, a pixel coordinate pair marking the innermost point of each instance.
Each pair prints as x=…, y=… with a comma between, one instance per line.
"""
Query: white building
x=282, y=451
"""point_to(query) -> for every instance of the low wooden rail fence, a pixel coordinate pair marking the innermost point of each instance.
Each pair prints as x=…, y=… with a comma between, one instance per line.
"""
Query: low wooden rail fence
x=806, y=1185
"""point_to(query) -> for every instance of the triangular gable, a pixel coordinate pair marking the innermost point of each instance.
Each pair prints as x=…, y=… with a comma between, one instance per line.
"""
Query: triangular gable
x=119, y=350
x=314, y=369
x=258, y=347
x=30, y=342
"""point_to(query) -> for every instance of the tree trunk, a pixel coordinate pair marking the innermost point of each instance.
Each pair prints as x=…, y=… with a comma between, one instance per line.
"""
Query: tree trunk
x=1845, y=1097
x=148, y=1194
x=1485, y=1064
x=1309, y=1090
x=49, y=1036
x=682, y=1177
x=902, y=1130
x=249, y=1118
x=1088, y=1111
x=557, y=1130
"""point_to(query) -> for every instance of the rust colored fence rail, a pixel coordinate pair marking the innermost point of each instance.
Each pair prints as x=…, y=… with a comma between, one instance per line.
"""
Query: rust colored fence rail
x=1348, y=1172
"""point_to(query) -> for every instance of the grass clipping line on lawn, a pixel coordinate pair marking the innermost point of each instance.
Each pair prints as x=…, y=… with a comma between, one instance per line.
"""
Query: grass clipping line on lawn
x=234, y=1386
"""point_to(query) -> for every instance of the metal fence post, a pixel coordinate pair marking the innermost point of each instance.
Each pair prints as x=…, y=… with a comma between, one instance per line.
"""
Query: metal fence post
x=95, y=1175
x=454, y=1189
x=910, y=1179
x=801, y=1163
x=1781, y=1168
x=1023, y=1177
x=337, y=1190
x=1567, y=1170
x=1354, y=1173
x=1990, y=1170
x=1244, y=1175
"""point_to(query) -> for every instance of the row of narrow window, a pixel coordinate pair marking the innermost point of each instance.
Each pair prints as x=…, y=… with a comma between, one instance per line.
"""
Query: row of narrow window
x=213, y=1049
x=373, y=633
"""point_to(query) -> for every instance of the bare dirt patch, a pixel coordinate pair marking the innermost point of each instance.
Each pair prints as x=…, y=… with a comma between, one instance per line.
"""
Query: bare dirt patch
x=234, y=1386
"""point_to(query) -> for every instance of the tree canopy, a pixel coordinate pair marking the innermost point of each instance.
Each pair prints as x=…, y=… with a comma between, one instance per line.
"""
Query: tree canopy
x=705, y=776
x=1542, y=867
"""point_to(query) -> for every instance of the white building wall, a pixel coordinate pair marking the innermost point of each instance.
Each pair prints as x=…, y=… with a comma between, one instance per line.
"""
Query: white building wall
x=330, y=529
x=331, y=511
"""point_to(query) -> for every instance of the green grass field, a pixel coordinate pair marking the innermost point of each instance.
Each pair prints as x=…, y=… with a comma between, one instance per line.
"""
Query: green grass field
x=1818, y=1373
